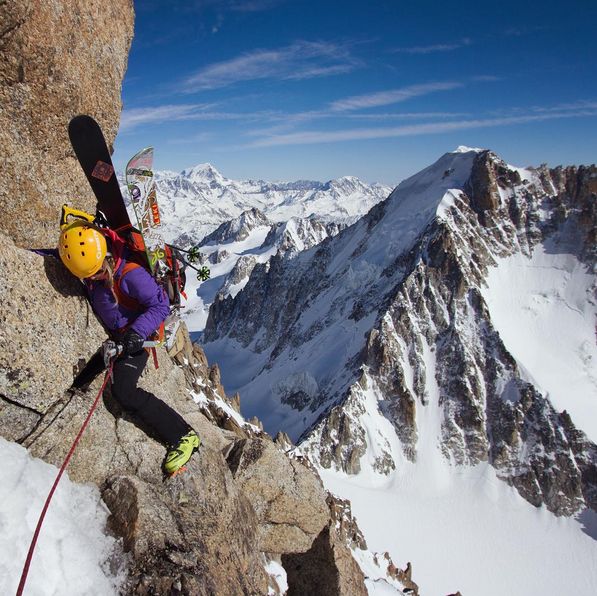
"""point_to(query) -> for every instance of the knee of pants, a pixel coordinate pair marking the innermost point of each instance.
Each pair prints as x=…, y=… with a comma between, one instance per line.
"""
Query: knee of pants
x=131, y=400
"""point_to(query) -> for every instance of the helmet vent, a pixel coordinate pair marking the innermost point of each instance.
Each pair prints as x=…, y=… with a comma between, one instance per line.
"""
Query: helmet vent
x=82, y=254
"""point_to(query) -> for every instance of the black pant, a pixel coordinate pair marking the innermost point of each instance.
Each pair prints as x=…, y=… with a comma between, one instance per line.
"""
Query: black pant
x=167, y=424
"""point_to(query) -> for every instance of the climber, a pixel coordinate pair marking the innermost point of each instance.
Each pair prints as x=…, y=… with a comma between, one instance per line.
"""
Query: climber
x=113, y=282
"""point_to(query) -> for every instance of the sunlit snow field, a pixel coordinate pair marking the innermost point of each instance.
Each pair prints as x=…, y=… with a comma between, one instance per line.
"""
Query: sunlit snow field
x=545, y=310
x=73, y=555
x=464, y=529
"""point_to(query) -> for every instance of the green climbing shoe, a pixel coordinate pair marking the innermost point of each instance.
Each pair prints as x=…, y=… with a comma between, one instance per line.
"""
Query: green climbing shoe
x=178, y=456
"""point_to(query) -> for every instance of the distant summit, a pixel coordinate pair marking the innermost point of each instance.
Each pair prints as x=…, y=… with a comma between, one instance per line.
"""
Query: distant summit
x=204, y=172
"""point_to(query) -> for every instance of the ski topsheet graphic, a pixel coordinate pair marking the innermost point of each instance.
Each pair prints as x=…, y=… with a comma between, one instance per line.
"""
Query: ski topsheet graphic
x=141, y=186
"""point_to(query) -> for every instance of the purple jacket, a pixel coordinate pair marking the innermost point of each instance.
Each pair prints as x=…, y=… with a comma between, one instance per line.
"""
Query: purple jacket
x=139, y=285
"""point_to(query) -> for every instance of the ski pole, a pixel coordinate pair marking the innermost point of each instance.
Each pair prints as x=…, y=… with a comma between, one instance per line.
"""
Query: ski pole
x=193, y=252
x=203, y=274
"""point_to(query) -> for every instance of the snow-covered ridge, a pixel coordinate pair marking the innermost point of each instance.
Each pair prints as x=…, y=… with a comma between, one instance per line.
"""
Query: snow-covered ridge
x=196, y=201
x=234, y=249
x=396, y=298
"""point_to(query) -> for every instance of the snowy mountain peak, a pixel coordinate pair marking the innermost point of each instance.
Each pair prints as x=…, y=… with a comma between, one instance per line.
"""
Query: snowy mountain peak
x=465, y=149
x=346, y=184
x=383, y=330
x=204, y=172
x=421, y=197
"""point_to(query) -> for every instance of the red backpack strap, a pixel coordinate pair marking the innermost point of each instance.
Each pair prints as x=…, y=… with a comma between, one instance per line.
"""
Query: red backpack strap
x=123, y=298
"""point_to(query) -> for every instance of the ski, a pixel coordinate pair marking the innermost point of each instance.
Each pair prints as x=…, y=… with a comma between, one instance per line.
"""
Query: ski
x=90, y=147
x=142, y=190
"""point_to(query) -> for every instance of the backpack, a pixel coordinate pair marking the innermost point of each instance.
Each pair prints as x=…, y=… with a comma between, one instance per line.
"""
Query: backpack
x=173, y=279
x=130, y=254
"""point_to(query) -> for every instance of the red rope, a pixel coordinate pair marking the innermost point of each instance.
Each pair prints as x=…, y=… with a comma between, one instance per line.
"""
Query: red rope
x=51, y=494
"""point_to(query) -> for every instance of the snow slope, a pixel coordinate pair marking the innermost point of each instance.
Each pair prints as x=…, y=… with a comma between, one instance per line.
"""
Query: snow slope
x=462, y=528
x=545, y=310
x=467, y=530
x=73, y=555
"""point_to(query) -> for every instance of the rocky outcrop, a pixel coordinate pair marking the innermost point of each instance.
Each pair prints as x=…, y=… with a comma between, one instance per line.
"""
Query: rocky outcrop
x=198, y=535
x=288, y=498
x=330, y=565
x=238, y=229
x=299, y=234
x=240, y=272
x=325, y=569
x=58, y=59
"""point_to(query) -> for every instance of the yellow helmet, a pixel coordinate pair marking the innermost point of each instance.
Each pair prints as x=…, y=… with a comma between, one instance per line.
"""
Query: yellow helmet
x=82, y=248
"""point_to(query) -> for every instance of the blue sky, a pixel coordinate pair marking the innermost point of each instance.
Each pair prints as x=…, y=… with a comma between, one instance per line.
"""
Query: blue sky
x=299, y=89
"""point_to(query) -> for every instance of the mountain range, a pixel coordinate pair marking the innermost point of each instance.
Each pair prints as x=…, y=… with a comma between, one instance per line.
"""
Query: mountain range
x=450, y=328
x=194, y=202
x=241, y=223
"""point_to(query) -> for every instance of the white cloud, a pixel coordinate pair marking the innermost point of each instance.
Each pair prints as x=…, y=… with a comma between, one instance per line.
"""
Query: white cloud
x=317, y=137
x=404, y=115
x=300, y=60
x=384, y=98
x=486, y=79
x=134, y=117
x=432, y=49
x=577, y=105
x=253, y=5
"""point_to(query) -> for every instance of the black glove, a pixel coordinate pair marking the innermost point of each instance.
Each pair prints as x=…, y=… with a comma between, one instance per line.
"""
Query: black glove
x=131, y=343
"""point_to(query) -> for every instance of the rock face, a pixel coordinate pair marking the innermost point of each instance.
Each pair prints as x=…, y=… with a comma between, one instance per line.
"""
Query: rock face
x=398, y=298
x=288, y=498
x=330, y=553
x=28, y=352
x=58, y=59
x=329, y=566
x=198, y=536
